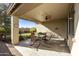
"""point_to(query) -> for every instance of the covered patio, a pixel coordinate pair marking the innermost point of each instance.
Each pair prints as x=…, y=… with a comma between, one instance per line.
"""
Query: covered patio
x=51, y=18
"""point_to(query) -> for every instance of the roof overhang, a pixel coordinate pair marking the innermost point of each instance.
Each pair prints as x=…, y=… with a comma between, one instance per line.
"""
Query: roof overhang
x=39, y=11
x=12, y=7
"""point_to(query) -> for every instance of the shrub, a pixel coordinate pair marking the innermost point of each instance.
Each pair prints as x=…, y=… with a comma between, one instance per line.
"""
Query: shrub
x=32, y=30
x=2, y=30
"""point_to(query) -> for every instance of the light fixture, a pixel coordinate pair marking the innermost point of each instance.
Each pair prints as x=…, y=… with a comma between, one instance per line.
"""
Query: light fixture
x=46, y=18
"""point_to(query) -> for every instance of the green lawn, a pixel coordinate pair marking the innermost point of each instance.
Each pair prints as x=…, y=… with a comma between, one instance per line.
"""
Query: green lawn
x=26, y=34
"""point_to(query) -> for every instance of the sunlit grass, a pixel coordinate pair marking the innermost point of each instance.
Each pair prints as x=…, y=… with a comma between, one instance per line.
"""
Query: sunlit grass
x=25, y=35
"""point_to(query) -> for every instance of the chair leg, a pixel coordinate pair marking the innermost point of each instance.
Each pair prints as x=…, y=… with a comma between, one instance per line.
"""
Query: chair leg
x=34, y=42
x=38, y=46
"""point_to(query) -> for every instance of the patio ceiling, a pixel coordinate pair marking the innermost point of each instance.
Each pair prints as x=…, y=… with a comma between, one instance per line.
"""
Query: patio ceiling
x=24, y=8
x=39, y=11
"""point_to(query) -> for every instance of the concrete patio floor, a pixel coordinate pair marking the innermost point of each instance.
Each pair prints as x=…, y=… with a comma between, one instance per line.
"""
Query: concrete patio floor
x=25, y=51
x=55, y=48
x=8, y=50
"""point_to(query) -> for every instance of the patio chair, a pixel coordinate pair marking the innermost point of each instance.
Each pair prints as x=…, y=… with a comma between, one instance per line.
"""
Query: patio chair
x=48, y=36
x=45, y=37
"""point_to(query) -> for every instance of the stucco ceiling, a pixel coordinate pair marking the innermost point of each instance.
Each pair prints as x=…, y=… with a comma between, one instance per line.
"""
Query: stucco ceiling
x=24, y=8
x=39, y=11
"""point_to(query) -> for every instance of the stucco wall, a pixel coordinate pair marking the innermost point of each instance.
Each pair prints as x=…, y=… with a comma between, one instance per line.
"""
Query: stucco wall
x=59, y=27
x=75, y=47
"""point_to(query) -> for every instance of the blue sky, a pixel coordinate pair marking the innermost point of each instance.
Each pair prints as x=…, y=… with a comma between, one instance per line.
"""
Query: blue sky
x=26, y=23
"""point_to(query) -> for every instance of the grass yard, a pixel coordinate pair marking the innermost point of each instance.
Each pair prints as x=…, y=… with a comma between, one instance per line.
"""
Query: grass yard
x=26, y=34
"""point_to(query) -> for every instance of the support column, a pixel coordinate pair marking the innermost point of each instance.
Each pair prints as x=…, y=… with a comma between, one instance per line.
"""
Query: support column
x=14, y=30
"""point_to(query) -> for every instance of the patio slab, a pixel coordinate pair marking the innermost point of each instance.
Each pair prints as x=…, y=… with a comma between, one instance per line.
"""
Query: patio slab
x=4, y=51
x=13, y=50
x=55, y=48
x=8, y=50
x=25, y=51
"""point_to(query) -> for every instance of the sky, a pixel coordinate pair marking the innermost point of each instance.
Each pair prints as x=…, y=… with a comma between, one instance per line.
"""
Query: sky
x=26, y=23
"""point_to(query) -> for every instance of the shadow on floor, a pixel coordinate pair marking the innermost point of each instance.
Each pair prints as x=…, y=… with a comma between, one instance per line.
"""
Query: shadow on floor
x=53, y=45
x=4, y=51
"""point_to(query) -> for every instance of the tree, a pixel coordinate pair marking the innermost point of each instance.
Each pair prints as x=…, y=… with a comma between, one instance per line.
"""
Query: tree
x=4, y=18
x=33, y=29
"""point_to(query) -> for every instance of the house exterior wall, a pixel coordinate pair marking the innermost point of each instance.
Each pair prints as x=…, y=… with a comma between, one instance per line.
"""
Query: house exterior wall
x=75, y=47
x=57, y=27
